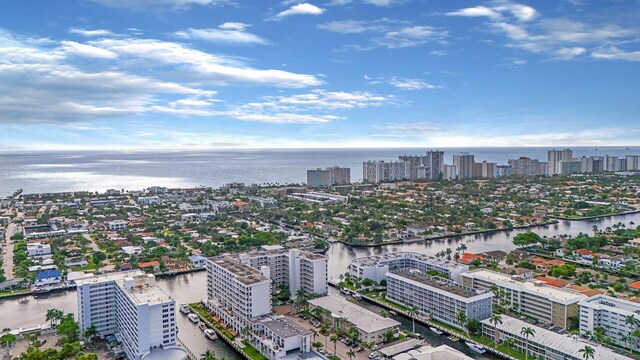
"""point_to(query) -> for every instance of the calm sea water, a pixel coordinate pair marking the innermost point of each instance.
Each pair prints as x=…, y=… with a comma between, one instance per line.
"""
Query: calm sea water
x=97, y=171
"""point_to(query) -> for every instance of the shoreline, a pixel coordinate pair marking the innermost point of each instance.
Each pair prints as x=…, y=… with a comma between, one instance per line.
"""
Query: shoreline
x=488, y=231
x=630, y=212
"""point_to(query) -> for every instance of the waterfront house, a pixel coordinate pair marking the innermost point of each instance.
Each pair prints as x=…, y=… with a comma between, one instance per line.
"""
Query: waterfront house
x=48, y=277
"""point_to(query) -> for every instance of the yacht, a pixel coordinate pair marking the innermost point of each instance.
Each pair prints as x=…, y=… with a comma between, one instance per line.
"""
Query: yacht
x=185, y=309
x=194, y=318
x=202, y=325
x=393, y=313
x=210, y=334
x=435, y=330
x=476, y=347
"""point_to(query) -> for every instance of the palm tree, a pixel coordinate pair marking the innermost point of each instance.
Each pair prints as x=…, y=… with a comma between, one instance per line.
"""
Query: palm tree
x=462, y=318
x=630, y=320
x=208, y=355
x=413, y=312
x=527, y=331
x=351, y=354
x=588, y=352
x=315, y=334
x=496, y=320
x=334, y=340
x=54, y=315
x=89, y=333
x=384, y=313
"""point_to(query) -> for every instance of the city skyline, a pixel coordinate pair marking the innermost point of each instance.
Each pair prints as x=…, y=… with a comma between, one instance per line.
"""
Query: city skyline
x=209, y=74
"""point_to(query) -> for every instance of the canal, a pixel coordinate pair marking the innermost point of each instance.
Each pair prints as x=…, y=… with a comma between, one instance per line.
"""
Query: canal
x=192, y=287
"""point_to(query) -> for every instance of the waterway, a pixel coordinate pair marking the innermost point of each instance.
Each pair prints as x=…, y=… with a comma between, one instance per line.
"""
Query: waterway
x=192, y=287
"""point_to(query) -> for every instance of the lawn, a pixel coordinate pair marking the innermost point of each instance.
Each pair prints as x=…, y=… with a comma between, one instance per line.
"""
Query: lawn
x=252, y=352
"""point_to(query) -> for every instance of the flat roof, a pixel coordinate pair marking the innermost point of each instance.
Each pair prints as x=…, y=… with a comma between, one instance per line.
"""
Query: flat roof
x=145, y=290
x=570, y=345
x=284, y=327
x=605, y=302
x=561, y=295
x=382, y=259
x=173, y=353
x=362, y=318
x=243, y=273
x=439, y=283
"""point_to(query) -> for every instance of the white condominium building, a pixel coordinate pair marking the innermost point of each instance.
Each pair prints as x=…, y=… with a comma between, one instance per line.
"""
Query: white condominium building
x=294, y=268
x=376, y=267
x=442, y=299
x=237, y=293
x=277, y=337
x=544, y=344
x=611, y=314
x=132, y=307
x=533, y=298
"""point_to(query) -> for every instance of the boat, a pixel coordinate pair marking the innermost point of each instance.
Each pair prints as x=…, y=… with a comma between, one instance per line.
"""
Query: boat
x=202, y=325
x=454, y=338
x=393, y=313
x=41, y=290
x=357, y=296
x=344, y=292
x=185, y=309
x=194, y=318
x=169, y=273
x=476, y=347
x=210, y=334
x=435, y=330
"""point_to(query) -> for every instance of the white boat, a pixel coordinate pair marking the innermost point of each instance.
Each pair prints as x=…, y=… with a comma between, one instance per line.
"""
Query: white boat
x=476, y=347
x=202, y=326
x=185, y=309
x=357, y=296
x=435, y=330
x=393, y=313
x=194, y=318
x=210, y=334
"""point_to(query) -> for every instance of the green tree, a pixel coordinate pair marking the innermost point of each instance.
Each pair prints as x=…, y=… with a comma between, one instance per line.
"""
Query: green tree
x=496, y=320
x=68, y=330
x=7, y=339
x=587, y=352
x=527, y=331
x=413, y=312
x=351, y=354
x=90, y=333
x=208, y=355
x=462, y=317
x=99, y=256
x=334, y=340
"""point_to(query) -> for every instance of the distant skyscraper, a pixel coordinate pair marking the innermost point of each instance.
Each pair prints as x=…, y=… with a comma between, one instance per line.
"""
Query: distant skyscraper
x=449, y=172
x=416, y=169
x=611, y=163
x=378, y=171
x=568, y=167
x=433, y=163
x=328, y=177
x=586, y=164
x=504, y=170
x=484, y=170
x=555, y=156
x=528, y=167
x=464, y=163
x=633, y=162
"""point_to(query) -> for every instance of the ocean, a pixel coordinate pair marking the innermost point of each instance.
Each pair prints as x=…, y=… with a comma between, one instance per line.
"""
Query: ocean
x=48, y=171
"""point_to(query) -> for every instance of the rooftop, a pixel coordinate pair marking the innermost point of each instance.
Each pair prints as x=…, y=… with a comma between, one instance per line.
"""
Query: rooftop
x=284, y=327
x=140, y=287
x=382, y=259
x=362, y=318
x=440, y=283
x=243, y=273
x=563, y=343
x=605, y=302
x=174, y=353
x=556, y=294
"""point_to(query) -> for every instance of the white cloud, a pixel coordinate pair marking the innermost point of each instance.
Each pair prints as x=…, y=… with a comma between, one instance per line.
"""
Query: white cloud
x=232, y=33
x=202, y=66
x=284, y=118
x=613, y=53
x=300, y=9
x=519, y=11
x=90, y=33
x=569, y=53
x=382, y=2
x=74, y=48
x=410, y=36
x=413, y=84
x=438, y=53
x=477, y=11
x=419, y=127
x=345, y=26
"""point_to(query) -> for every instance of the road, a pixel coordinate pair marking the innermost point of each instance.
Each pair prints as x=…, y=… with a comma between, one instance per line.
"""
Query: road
x=92, y=243
x=7, y=259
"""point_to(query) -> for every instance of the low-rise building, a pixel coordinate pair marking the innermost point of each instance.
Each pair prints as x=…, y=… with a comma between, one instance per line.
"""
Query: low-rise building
x=442, y=299
x=38, y=249
x=532, y=298
x=48, y=277
x=544, y=344
x=117, y=225
x=612, y=315
x=277, y=337
x=376, y=267
x=371, y=326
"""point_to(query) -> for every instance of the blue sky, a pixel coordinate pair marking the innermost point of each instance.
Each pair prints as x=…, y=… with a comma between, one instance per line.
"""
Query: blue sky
x=208, y=74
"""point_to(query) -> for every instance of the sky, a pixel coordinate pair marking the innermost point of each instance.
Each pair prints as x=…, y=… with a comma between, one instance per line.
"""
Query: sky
x=218, y=74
